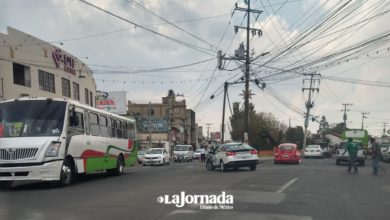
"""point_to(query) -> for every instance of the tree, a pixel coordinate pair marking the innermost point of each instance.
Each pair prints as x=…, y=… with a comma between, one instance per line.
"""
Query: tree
x=259, y=122
x=295, y=135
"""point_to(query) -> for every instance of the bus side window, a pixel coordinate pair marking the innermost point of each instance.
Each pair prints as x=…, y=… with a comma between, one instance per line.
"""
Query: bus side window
x=113, y=126
x=124, y=129
x=103, y=126
x=119, y=129
x=94, y=124
x=131, y=130
x=109, y=127
x=77, y=128
x=86, y=122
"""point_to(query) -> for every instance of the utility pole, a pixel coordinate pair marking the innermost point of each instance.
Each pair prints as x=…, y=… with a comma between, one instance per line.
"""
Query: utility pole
x=363, y=117
x=384, y=128
x=150, y=124
x=345, y=113
x=208, y=131
x=240, y=56
x=225, y=87
x=314, y=87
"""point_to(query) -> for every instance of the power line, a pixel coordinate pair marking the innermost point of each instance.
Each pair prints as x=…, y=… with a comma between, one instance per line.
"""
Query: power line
x=200, y=49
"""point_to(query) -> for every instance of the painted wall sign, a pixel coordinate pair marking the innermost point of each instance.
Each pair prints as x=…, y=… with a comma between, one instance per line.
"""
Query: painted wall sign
x=61, y=59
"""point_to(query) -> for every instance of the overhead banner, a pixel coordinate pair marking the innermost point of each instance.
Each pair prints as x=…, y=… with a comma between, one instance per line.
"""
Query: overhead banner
x=114, y=102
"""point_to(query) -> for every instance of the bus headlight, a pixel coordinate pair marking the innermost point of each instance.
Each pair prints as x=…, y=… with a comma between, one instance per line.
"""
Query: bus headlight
x=53, y=149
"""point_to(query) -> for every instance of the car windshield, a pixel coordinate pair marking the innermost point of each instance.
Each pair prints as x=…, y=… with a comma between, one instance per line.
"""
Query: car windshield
x=32, y=118
x=154, y=151
x=287, y=147
x=181, y=148
x=385, y=146
x=141, y=152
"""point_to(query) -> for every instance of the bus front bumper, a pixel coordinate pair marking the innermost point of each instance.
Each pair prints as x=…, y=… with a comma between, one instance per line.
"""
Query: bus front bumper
x=47, y=171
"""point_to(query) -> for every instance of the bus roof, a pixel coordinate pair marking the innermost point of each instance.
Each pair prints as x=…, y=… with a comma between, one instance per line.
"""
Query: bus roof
x=71, y=102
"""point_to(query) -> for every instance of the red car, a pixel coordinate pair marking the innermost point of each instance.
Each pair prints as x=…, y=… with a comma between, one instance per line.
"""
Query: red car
x=287, y=153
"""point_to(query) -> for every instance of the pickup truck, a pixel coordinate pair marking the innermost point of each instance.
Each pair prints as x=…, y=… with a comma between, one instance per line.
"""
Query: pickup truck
x=340, y=157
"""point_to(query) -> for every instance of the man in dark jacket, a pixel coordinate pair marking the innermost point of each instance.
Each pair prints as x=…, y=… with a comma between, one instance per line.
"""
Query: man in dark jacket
x=352, y=149
x=376, y=155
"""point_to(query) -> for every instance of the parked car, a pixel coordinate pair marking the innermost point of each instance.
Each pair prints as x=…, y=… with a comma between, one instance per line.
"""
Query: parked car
x=313, y=151
x=287, y=153
x=361, y=155
x=385, y=150
x=197, y=154
x=183, y=153
x=156, y=156
x=326, y=151
x=141, y=156
x=232, y=155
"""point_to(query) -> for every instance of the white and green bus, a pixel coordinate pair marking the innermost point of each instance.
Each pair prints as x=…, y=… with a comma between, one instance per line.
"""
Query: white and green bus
x=51, y=139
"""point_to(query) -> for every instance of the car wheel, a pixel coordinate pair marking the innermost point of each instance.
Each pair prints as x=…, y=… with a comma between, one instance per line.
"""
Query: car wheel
x=337, y=162
x=275, y=162
x=118, y=170
x=67, y=173
x=222, y=166
x=209, y=166
x=6, y=185
x=252, y=167
x=363, y=163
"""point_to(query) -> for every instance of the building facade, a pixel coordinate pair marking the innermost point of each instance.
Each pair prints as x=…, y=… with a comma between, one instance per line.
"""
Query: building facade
x=166, y=121
x=35, y=68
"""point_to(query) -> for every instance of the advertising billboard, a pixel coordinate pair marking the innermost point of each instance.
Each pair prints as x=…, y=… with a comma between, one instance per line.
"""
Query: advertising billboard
x=114, y=102
x=152, y=124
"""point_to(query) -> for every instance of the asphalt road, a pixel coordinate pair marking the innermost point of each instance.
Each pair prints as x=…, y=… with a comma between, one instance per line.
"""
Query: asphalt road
x=316, y=189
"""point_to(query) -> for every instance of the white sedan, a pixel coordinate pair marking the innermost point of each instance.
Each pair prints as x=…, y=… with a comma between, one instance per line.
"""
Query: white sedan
x=233, y=155
x=156, y=156
x=313, y=151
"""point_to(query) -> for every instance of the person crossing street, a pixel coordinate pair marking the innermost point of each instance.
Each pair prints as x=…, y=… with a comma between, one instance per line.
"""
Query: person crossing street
x=352, y=149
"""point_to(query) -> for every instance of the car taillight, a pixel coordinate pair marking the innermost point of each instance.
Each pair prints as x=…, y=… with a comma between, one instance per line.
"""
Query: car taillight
x=230, y=153
x=253, y=151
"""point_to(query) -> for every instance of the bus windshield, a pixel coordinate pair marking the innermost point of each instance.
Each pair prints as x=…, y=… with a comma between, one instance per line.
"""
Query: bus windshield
x=36, y=118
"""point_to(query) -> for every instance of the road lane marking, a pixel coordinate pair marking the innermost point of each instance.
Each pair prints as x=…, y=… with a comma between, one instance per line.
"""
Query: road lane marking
x=285, y=186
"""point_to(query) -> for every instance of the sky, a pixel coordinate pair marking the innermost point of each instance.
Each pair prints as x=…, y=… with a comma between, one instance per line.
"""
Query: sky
x=146, y=47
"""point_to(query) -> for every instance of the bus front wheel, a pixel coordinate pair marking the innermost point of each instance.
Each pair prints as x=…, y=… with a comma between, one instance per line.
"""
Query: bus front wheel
x=66, y=176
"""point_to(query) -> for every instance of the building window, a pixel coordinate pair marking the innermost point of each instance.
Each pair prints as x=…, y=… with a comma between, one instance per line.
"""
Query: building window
x=22, y=75
x=86, y=92
x=76, y=91
x=91, y=98
x=46, y=81
x=65, y=87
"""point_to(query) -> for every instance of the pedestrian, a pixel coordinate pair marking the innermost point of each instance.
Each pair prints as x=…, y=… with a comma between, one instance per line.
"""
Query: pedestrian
x=202, y=154
x=376, y=155
x=352, y=149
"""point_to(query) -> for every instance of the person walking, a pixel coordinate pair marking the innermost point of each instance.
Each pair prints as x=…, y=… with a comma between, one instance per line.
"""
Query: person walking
x=376, y=155
x=202, y=154
x=352, y=153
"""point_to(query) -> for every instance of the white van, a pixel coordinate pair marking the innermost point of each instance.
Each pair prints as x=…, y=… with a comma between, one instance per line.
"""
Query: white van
x=183, y=153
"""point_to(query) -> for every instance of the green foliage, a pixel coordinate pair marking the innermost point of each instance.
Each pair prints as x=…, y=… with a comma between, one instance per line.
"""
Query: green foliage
x=258, y=123
x=295, y=135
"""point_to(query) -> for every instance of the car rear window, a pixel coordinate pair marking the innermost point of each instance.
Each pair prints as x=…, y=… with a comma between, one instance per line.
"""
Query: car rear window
x=287, y=147
x=313, y=146
x=236, y=147
x=343, y=145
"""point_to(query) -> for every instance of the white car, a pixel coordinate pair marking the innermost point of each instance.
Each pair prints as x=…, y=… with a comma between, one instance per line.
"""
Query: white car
x=183, y=153
x=232, y=155
x=156, y=156
x=313, y=151
x=196, y=154
x=343, y=156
